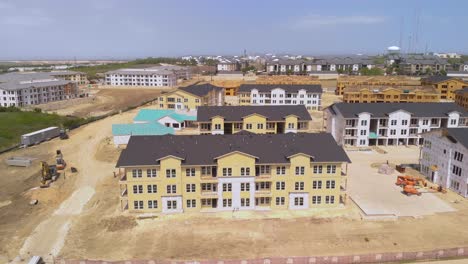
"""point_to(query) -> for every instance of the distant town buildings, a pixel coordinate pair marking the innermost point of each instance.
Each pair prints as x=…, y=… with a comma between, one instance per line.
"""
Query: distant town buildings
x=191, y=97
x=205, y=173
x=255, y=119
x=325, y=64
x=159, y=76
x=32, y=88
x=444, y=156
x=416, y=64
x=281, y=94
x=366, y=124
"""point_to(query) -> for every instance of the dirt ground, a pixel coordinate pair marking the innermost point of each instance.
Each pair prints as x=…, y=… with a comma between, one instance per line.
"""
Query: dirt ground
x=101, y=101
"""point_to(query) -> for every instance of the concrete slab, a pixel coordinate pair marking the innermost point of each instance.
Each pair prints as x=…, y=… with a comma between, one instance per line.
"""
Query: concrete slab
x=376, y=194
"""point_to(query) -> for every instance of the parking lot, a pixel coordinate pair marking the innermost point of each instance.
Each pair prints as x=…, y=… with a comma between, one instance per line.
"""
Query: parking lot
x=378, y=196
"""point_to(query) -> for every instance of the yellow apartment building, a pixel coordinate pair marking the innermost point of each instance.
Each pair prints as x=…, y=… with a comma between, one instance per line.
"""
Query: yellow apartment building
x=461, y=97
x=205, y=173
x=397, y=94
x=191, y=97
x=445, y=85
x=265, y=119
x=374, y=81
x=78, y=77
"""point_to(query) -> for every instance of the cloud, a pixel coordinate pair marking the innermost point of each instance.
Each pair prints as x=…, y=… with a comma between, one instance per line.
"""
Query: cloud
x=315, y=21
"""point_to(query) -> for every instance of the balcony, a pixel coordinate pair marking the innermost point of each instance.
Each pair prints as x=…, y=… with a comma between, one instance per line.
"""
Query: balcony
x=263, y=192
x=209, y=194
x=124, y=193
x=208, y=177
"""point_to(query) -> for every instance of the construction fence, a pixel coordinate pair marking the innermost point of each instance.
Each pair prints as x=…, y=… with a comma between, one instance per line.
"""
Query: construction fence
x=361, y=258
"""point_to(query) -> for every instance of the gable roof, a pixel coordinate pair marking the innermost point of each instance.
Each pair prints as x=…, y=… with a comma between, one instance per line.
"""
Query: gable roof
x=459, y=134
x=203, y=149
x=438, y=79
x=236, y=113
x=200, y=89
x=352, y=110
x=151, y=115
x=289, y=88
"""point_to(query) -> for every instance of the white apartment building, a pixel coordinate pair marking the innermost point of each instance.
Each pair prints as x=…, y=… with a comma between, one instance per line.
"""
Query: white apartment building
x=32, y=88
x=444, y=158
x=281, y=94
x=166, y=75
x=370, y=124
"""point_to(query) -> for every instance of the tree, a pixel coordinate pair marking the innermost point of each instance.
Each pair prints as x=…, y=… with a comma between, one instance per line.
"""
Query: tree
x=249, y=68
x=428, y=71
x=289, y=72
x=443, y=72
x=371, y=72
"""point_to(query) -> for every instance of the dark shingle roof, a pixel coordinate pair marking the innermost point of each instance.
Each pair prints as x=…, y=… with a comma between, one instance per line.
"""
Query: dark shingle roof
x=289, y=88
x=200, y=89
x=203, y=149
x=437, y=79
x=351, y=110
x=236, y=113
x=462, y=91
x=459, y=134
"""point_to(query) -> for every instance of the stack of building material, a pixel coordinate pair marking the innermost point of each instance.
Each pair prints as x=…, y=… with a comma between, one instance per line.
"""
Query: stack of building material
x=386, y=169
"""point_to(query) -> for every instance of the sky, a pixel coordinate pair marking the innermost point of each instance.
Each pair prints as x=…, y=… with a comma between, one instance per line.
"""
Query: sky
x=124, y=29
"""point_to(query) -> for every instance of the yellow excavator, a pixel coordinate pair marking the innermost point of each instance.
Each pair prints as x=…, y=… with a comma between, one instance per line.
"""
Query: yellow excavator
x=48, y=174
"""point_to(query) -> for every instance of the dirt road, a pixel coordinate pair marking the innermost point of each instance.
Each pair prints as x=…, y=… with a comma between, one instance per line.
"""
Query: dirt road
x=79, y=151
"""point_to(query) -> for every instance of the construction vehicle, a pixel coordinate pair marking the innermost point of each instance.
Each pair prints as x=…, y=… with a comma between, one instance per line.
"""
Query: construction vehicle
x=410, y=180
x=61, y=164
x=411, y=190
x=48, y=174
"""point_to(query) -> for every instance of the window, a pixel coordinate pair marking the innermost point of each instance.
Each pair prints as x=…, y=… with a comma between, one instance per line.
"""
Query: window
x=453, y=121
x=403, y=132
x=206, y=170
x=426, y=122
x=190, y=187
x=458, y=156
x=262, y=186
x=456, y=170
x=248, y=126
x=331, y=169
x=280, y=200
x=227, y=187
x=363, y=122
x=245, y=171
x=245, y=202
x=317, y=185
x=264, y=169
x=151, y=173
x=245, y=187
x=454, y=185
x=316, y=199
x=137, y=189
x=191, y=203
x=393, y=122
x=152, y=204
x=318, y=169
x=331, y=184
x=280, y=185
x=171, y=205
x=392, y=132
x=227, y=202
x=137, y=173
x=291, y=125
x=329, y=199
x=259, y=126
x=262, y=201
x=152, y=188
x=281, y=170
x=171, y=189
x=299, y=186
x=227, y=171
x=298, y=201
x=300, y=170
x=363, y=132
x=211, y=187
x=218, y=126
x=404, y=122
x=190, y=172
x=137, y=205
x=170, y=173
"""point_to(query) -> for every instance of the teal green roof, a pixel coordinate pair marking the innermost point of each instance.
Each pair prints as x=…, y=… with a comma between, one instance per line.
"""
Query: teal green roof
x=141, y=129
x=152, y=115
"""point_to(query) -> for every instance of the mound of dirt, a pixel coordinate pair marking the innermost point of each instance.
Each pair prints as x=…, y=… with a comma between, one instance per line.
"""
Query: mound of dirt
x=119, y=223
x=106, y=151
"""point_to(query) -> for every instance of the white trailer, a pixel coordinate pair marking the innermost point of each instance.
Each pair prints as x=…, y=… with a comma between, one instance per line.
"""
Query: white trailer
x=39, y=136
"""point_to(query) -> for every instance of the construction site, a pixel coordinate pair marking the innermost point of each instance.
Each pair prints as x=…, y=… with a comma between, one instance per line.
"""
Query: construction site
x=77, y=215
